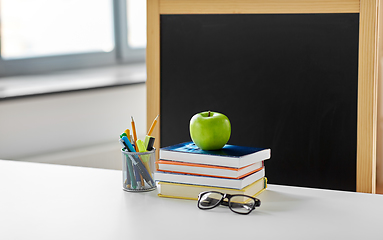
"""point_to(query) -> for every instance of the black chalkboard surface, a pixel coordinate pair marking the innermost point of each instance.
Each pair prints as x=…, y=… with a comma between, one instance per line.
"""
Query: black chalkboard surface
x=286, y=81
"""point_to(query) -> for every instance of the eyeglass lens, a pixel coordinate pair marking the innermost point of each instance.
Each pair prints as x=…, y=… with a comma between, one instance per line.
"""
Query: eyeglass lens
x=237, y=203
x=209, y=200
x=241, y=204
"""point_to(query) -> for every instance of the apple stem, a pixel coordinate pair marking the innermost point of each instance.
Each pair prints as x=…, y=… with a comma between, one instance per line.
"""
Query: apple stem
x=208, y=114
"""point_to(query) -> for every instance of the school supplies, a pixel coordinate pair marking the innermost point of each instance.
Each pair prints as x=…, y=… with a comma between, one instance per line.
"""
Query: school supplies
x=138, y=161
x=145, y=158
x=184, y=169
x=228, y=156
x=152, y=127
x=191, y=191
x=209, y=181
x=134, y=132
x=207, y=170
x=150, y=144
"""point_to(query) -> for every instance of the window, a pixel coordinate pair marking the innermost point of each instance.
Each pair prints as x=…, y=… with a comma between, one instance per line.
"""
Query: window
x=39, y=36
x=136, y=24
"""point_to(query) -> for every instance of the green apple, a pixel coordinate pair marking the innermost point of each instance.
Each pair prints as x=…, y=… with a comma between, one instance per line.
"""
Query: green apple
x=210, y=130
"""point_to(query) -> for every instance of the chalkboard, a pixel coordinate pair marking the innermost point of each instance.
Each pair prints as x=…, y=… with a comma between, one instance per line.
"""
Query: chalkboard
x=286, y=81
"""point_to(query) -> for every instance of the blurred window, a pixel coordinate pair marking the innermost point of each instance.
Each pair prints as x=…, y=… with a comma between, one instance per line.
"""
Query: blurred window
x=39, y=36
x=136, y=23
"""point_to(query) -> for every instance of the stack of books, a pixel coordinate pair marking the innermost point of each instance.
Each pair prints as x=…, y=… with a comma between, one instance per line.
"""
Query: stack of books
x=184, y=170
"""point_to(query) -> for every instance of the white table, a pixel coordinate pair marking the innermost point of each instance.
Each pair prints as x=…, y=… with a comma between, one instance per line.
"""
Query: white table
x=42, y=201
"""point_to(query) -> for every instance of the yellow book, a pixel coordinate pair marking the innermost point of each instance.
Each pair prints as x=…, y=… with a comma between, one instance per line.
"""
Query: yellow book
x=188, y=191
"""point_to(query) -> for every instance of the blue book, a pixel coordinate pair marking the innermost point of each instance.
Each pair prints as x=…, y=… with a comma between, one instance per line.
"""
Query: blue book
x=229, y=156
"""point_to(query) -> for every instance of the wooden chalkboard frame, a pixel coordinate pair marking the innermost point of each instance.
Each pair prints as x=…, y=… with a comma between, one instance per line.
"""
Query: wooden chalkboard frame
x=367, y=70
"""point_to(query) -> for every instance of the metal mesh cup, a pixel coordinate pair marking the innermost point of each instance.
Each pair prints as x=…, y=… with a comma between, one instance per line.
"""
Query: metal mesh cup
x=138, y=170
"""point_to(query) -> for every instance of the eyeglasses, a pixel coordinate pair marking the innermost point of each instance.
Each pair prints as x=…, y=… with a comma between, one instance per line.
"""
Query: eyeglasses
x=238, y=203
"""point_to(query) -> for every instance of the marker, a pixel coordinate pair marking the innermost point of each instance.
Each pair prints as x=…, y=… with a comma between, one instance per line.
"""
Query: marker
x=149, y=142
x=146, y=142
x=128, y=182
x=138, y=177
x=137, y=162
x=131, y=174
x=128, y=144
x=127, y=132
x=129, y=137
x=152, y=127
x=130, y=166
x=140, y=180
x=123, y=145
x=150, y=145
x=145, y=174
x=145, y=158
x=141, y=145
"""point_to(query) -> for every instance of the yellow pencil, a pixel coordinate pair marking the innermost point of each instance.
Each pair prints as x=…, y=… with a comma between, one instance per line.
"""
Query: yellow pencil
x=134, y=134
x=153, y=125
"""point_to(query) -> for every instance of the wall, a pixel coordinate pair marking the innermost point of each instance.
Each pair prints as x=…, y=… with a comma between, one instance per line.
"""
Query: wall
x=76, y=128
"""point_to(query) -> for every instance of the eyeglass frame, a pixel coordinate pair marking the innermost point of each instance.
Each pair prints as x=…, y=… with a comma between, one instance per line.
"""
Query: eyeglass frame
x=257, y=202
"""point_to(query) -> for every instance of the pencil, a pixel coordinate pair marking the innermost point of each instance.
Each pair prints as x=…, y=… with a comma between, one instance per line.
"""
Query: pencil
x=134, y=134
x=152, y=127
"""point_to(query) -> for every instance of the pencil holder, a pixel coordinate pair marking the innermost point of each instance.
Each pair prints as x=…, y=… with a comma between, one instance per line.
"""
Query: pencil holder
x=137, y=171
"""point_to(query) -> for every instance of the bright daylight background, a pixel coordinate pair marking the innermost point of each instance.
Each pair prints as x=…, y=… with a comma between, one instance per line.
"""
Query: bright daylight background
x=45, y=27
x=85, y=124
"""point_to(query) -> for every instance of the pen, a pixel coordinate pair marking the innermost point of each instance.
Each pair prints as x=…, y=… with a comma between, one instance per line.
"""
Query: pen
x=137, y=162
x=128, y=182
x=152, y=127
x=130, y=166
x=134, y=132
x=129, y=146
x=138, y=177
x=129, y=137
